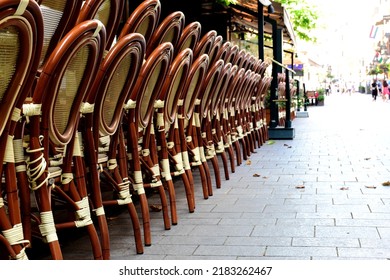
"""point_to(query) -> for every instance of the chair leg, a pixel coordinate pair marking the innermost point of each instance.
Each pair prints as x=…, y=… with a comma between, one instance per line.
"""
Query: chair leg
x=135, y=166
x=42, y=191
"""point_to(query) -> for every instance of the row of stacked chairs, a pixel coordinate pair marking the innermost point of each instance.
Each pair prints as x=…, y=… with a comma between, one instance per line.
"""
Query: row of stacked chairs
x=89, y=108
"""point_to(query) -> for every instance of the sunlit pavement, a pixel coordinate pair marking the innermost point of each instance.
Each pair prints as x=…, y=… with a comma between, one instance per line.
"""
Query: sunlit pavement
x=318, y=196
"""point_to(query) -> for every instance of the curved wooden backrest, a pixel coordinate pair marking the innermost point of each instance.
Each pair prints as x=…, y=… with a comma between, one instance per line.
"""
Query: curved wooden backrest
x=262, y=67
x=232, y=54
x=189, y=37
x=244, y=98
x=174, y=83
x=246, y=61
x=252, y=92
x=240, y=59
x=109, y=12
x=205, y=44
x=217, y=45
x=193, y=85
x=169, y=30
x=59, y=17
x=257, y=65
x=21, y=34
x=209, y=85
x=143, y=19
x=116, y=77
x=66, y=78
x=218, y=95
x=150, y=81
x=252, y=62
x=227, y=94
x=235, y=88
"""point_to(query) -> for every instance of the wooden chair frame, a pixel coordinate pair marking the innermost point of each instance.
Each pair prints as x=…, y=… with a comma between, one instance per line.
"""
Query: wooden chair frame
x=24, y=24
x=45, y=135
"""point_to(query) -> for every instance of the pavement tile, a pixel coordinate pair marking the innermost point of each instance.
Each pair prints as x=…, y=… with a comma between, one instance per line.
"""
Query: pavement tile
x=364, y=253
x=228, y=250
x=277, y=251
x=262, y=240
x=283, y=231
x=346, y=232
x=306, y=222
x=220, y=230
x=325, y=242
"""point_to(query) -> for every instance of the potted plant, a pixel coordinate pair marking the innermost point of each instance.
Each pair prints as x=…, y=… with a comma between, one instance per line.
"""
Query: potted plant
x=320, y=99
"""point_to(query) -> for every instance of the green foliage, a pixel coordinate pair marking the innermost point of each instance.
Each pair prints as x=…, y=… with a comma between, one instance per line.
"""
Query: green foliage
x=303, y=16
x=226, y=2
x=321, y=94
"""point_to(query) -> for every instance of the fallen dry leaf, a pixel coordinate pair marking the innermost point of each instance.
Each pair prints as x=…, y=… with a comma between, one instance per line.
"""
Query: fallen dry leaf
x=248, y=162
x=300, y=187
x=155, y=208
x=370, y=187
x=367, y=158
x=256, y=175
x=386, y=184
x=344, y=188
x=265, y=177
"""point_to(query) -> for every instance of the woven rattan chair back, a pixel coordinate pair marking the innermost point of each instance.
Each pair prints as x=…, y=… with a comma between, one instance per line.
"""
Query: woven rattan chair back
x=109, y=12
x=59, y=17
x=117, y=76
x=61, y=95
x=174, y=84
x=150, y=81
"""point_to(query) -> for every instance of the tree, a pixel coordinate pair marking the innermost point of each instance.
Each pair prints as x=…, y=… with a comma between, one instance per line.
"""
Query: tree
x=304, y=17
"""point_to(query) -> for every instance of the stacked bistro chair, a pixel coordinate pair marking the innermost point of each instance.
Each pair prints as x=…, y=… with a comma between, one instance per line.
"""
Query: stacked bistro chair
x=195, y=148
x=188, y=40
x=281, y=97
x=138, y=116
x=54, y=168
x=21, y=33
x=166, y=123
x=186, y=129
x=169, y=30
x=58, y=18
x=101, y=129
x=221, y=117
x=234, y=87
x=234, y=113
x=258, y=106
x=215, y=118
x=201, y=119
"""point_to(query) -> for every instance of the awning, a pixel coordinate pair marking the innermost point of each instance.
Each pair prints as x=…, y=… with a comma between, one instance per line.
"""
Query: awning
x=244, y=18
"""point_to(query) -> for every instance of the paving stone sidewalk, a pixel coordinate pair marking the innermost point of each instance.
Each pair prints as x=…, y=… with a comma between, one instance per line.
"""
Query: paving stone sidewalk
x=317, y=197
